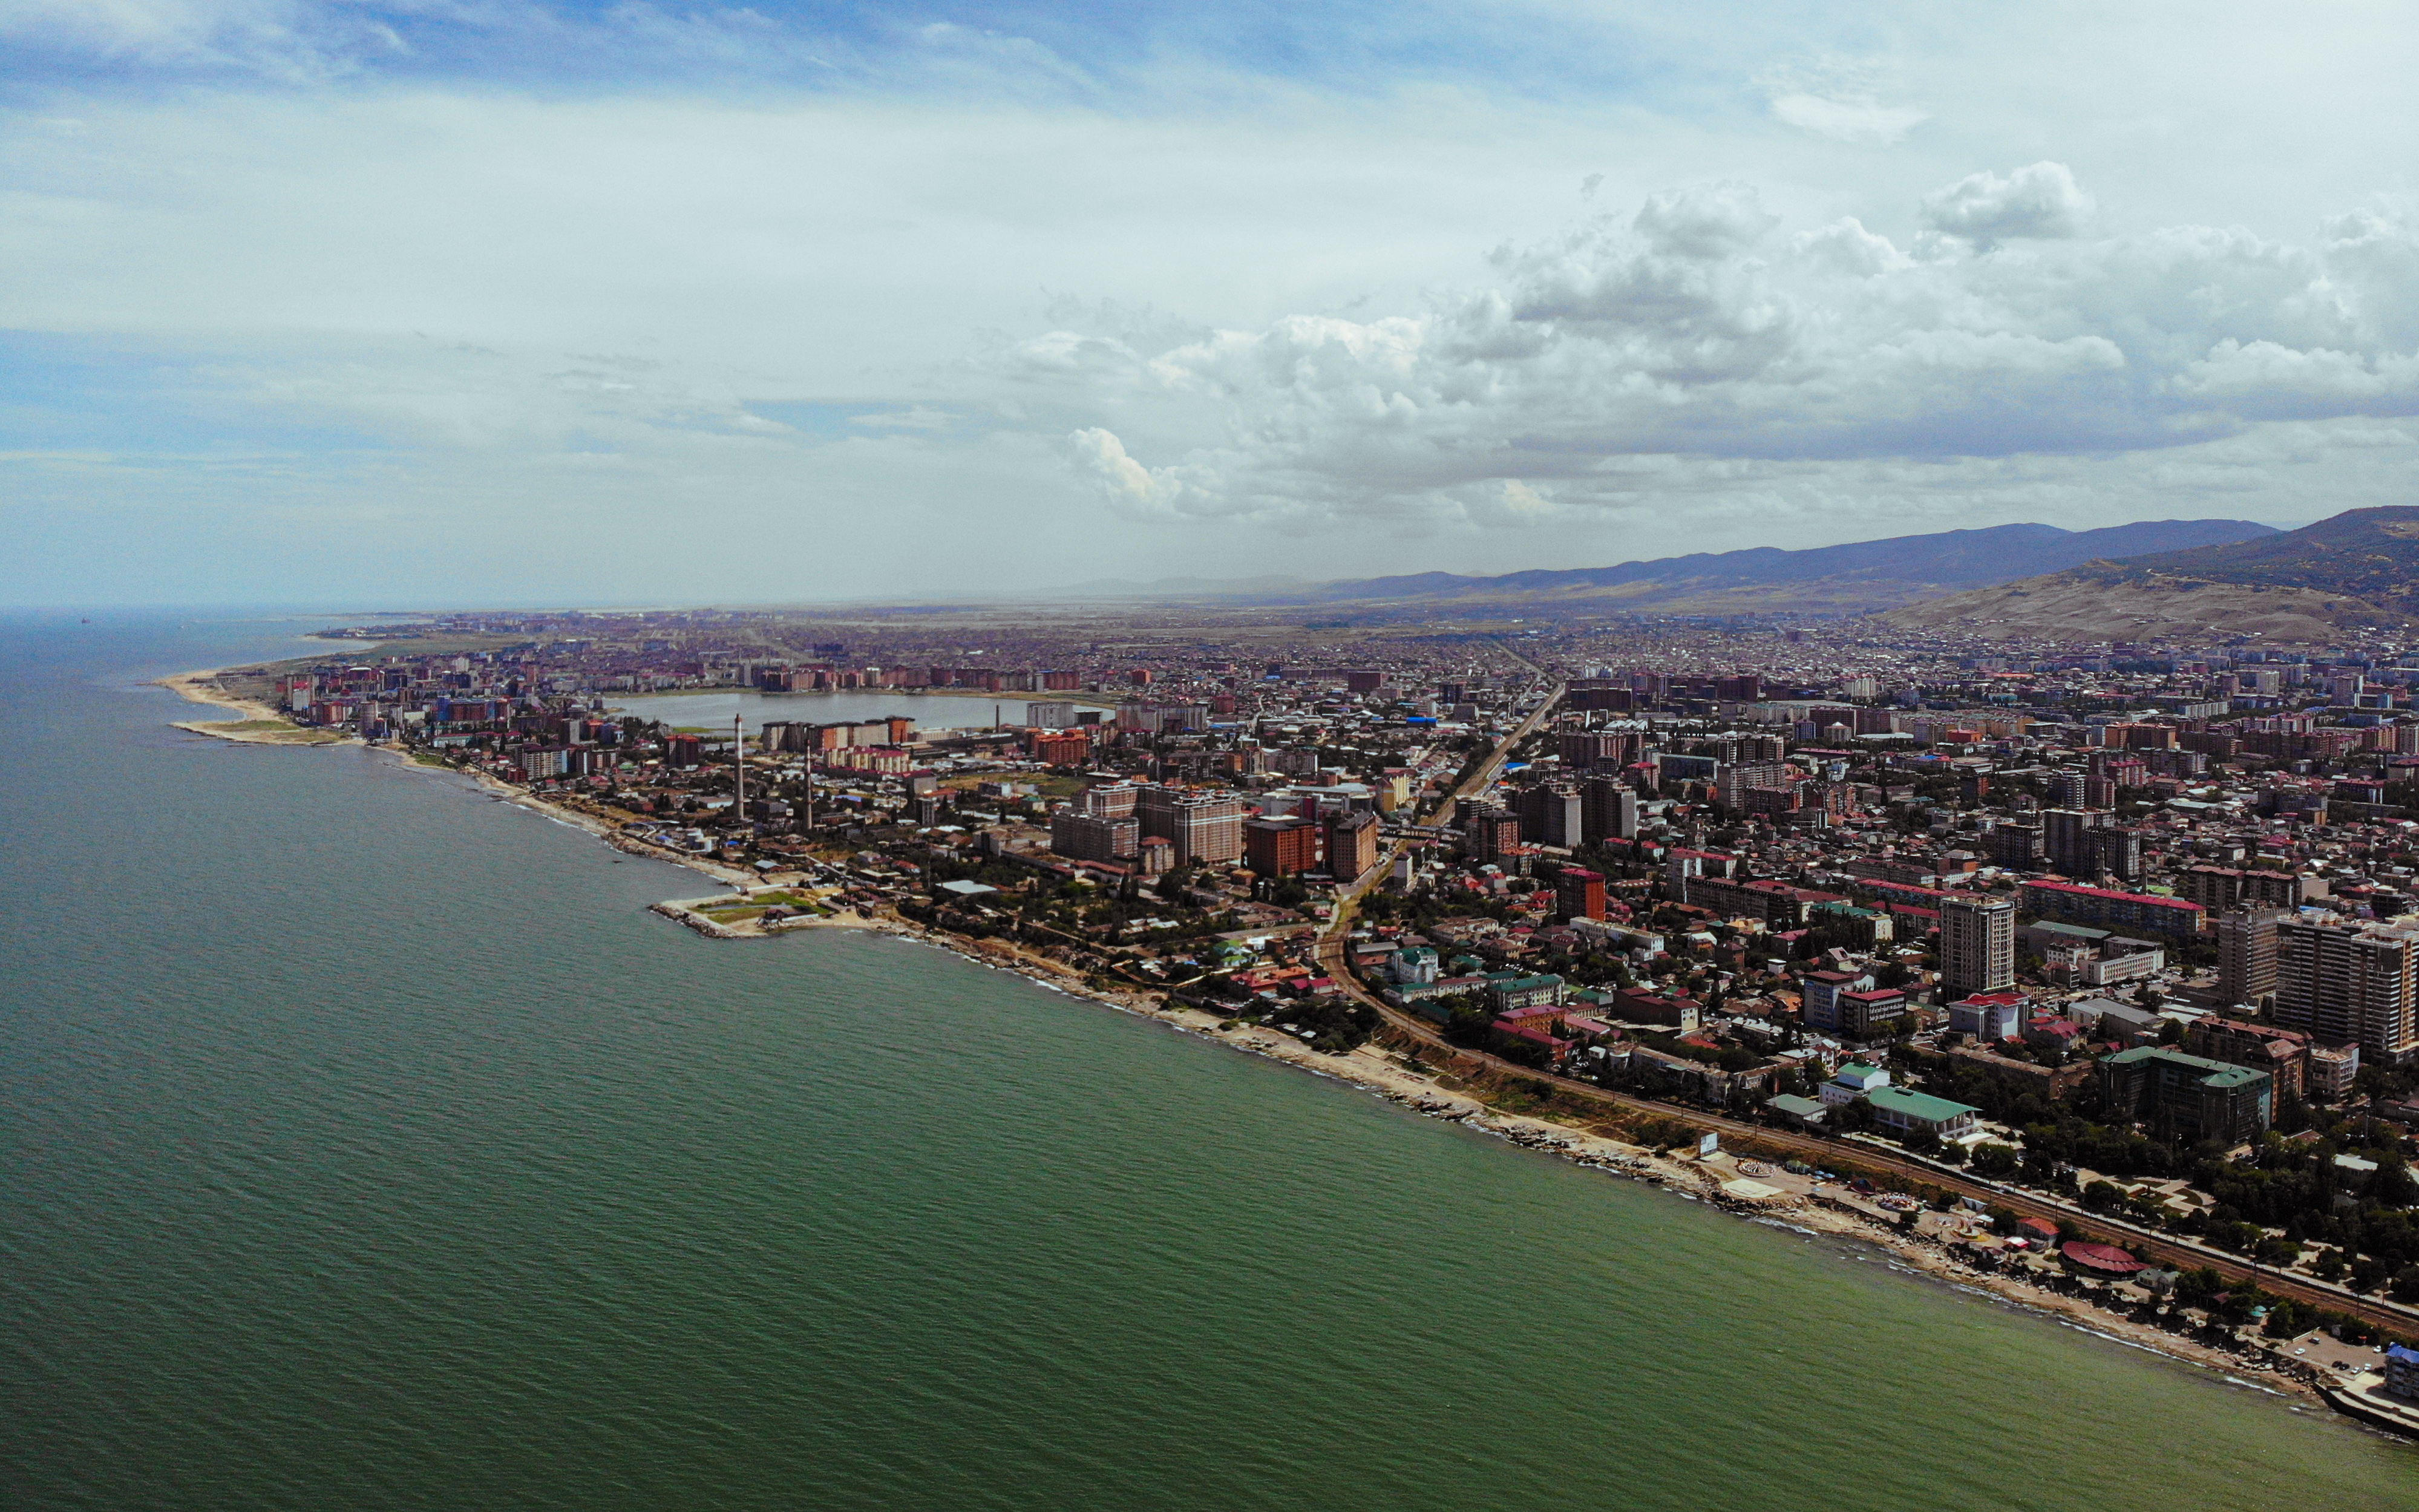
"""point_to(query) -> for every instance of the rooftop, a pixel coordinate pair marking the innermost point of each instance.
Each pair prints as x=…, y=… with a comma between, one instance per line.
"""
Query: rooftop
x=1923, y=1105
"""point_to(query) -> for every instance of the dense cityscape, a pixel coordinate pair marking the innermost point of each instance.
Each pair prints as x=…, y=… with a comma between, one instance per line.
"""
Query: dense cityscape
x=2130, y=928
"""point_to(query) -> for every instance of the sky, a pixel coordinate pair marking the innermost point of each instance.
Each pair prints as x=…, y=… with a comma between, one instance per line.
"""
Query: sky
x=485, y=301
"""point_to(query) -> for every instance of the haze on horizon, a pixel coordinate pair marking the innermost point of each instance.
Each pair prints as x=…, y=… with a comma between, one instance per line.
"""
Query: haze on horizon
x=498, y=302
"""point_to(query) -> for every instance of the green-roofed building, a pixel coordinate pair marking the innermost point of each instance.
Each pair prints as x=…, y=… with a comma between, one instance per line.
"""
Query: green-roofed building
x=1803, y=1111
x=1903, y=1112
x=2041, y=938
x=1508, y=990
x=2189, y=1097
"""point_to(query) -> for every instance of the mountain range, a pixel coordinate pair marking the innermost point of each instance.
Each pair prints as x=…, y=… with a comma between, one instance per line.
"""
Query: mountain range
x=1871, y=573
x=2345, y=573
x=1855, y=578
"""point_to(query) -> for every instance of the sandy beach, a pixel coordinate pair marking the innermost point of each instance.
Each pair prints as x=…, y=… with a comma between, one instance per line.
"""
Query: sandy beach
x=257, y=723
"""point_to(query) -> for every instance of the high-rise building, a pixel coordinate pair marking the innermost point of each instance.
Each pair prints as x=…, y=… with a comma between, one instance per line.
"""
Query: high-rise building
x=2283, y=1053
x=1553, y=815
x=1081, y=837
x=2116, y=849
x=1579, y=893
x=1608, y=808
x=1069, y=749
x=2246, y=955
x=1978, y=945
x=2345, y=985
x=1209, y=830
x=2017, y=847
x=2066, y=790
x=1820, y=998
x=2188, y=1096
x=1584, y=749
x=1489, y=832
x=2067, y=840
x=1205, y=828
x=1351, y=844
x=1735, y=778
x=1055, y=714
x=1281, y=846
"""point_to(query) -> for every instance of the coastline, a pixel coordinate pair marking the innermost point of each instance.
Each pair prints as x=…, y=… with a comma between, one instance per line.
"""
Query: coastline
x=1374, y=1068
x=504, y=791
x=257, y=725
x=1386, y=1073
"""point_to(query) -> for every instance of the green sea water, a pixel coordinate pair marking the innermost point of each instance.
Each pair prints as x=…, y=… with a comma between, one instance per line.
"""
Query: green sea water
x=368, y=1145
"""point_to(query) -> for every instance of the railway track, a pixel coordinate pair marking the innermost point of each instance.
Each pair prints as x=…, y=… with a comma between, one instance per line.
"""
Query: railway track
x=2148, y=1243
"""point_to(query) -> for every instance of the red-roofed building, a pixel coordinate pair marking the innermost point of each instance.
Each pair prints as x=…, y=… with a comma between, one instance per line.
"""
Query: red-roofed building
x=1510, y=1035
x=2068, y=902
x=2040, y=1231
x=2048, y=1032
x=1860, y=1010
x=1989, y=1016
x=2106, y=1261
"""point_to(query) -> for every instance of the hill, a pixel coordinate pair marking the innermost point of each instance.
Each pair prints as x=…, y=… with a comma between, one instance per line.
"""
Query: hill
x=1855, y=578
x=2361, y=553
x=2075, y=608
x=2353, y=570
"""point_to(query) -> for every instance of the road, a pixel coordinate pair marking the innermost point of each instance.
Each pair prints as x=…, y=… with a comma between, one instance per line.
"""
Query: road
x=2148, y=1245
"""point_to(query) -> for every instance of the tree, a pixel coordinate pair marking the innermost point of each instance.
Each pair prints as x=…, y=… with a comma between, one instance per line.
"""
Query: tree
x=2392, y=1185
x=2406, y=1284
x=1853, y=1117
x=2197, y=1286
x=1998, y=1161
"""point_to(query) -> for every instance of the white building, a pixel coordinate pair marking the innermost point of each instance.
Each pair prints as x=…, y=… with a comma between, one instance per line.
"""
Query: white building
x=1852, y=1081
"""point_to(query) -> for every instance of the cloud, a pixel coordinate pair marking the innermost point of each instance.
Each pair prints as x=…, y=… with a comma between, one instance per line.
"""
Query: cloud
x=1253, y=258
x=1128, y=487
x=2037, y=202
x=1848, y=120
x=1693, y=334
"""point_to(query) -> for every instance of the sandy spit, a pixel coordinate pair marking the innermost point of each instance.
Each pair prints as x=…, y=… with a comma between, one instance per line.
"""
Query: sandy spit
x=205, y=687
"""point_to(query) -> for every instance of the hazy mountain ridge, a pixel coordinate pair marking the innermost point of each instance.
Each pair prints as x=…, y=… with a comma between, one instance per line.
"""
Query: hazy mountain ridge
x=1899, y=565
x=2350, y=570
x=1857, y=578
x=2361, y=553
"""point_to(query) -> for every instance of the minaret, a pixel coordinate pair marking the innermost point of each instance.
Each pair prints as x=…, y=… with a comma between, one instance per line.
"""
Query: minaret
x=739, y=765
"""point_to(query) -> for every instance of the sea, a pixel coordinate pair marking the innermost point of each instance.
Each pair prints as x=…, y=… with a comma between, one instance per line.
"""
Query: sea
x=365, y=1143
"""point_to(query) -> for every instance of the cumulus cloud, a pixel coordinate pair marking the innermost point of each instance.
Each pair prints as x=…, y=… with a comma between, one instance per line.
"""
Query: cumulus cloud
x=1691, y=345
x=1128, y=487
x=2037, y=202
